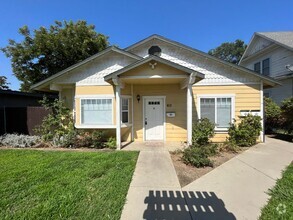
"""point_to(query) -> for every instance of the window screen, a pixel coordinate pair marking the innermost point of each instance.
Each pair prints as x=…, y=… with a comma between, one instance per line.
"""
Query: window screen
x=257, y=67
x=207, y=109
x=266, y=67
x=96, y=111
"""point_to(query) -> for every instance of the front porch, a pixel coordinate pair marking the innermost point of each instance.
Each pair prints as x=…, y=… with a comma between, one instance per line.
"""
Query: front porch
x=160, y=101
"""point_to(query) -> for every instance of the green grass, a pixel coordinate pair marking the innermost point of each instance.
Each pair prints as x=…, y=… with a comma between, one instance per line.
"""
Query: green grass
x=64, y=185
x=281, y=194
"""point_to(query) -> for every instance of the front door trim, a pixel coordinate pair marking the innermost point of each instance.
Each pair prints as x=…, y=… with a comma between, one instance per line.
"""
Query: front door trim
x=164, y=114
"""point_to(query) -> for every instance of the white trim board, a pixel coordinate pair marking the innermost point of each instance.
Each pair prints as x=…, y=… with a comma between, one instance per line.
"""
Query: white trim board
x=232, y=96
x=93, y=126
x=91, y=96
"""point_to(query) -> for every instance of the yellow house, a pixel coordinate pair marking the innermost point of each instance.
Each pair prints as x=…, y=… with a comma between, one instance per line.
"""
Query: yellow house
x=155, y=89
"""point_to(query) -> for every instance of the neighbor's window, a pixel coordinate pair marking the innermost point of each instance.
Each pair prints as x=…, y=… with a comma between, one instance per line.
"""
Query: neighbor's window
x=217, y=110
x=96, y=111
x=266, y=67
x=125, y=110
x=257, y=67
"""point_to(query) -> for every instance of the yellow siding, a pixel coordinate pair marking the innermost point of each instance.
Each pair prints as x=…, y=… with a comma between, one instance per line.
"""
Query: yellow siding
x=175, y=127
x=247, y=97
x=94, y=90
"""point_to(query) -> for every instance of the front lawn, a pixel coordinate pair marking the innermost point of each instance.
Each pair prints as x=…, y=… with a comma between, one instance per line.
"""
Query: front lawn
x=64, y=185
x=280, y=205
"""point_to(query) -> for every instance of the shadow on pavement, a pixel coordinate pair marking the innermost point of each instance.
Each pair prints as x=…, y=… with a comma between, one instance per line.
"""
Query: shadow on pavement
x=185, y=205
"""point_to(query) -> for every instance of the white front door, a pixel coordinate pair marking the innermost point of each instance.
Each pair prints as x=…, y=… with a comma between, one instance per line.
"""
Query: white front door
x=154, y=119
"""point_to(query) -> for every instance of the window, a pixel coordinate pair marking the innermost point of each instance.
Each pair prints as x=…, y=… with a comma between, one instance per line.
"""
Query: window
x=217, y=110
x=266, y=67
x=125, y=110
x=263, y=67
x=257, y=67
x=96, y=111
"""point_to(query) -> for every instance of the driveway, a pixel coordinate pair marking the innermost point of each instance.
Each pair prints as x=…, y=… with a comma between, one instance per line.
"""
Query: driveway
x=235, y=190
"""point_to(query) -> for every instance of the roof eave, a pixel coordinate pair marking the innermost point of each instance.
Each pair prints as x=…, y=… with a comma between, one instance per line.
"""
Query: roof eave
x=45, y=82
x=148, y=59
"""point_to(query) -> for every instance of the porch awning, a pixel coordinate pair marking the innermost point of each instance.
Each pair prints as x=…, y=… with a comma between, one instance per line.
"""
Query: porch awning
x=155, y=76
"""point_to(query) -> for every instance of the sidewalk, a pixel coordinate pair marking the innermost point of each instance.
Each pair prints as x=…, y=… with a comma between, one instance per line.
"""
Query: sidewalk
x=235, y=190
x=154, y=181
x=243, y=181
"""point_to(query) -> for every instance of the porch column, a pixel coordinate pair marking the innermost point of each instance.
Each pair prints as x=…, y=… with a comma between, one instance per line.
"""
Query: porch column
x=189, y=113
x=118, y=116
x=262, y=132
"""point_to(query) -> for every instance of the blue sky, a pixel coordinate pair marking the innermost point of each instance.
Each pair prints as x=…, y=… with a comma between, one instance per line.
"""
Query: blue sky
x=201, y=24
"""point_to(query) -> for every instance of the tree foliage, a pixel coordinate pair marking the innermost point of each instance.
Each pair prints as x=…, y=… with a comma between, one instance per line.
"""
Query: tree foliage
x=229, y=51
x=287, y=113
x=50, y=50
x=272, y=115
x=246, y=132
x=3, y=82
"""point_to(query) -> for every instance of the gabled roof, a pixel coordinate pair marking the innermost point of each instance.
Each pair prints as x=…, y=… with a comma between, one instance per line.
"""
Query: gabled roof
x=281, y=38
x=149, y=59
x=266, y=79
x=107, y=50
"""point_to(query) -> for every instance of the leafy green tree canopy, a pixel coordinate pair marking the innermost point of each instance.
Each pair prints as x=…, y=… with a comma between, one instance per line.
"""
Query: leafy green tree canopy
x=3, y=82
x=229, y=51
x=50, y=50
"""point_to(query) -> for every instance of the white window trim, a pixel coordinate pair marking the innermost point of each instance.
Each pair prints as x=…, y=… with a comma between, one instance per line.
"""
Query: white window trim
x=95, y=125
x=232, y=96
x=127, y=98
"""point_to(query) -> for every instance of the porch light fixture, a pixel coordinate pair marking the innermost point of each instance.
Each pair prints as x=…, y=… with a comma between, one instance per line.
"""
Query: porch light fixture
x=138, y=98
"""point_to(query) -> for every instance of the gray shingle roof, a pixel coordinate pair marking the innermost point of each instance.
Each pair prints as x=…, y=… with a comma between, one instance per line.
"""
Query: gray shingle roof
x=282, y=37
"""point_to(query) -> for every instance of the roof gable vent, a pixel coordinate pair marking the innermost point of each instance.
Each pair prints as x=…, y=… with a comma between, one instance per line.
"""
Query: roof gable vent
x=155, y=50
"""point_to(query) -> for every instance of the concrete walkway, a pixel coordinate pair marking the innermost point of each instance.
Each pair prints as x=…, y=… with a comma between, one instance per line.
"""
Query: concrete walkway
x=235, y=190
x=243, y=181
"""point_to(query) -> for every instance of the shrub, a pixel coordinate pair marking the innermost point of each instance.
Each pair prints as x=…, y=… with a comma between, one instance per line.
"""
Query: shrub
x=111, y=143
x=272, y=115
x=196, y=156
x=246, y=132
x=81, y=138
x=287, y=113
x=68, y=139
x=18, y=141
x=228, y=147
x=97, y=139
x=210, y=149
x=202, y=131
x=57, y=126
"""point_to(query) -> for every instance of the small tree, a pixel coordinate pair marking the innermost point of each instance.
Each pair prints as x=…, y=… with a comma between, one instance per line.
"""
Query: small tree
x=58, y=123
x=287, y=113
x=202, y=131
x=246, y=132
x=272, y=115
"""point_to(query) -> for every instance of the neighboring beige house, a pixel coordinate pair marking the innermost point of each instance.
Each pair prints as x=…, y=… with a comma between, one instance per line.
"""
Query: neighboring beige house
x=155, y=89
x=271, y=54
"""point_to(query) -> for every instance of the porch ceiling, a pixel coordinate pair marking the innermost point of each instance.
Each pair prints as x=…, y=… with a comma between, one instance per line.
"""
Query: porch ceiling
x=153, y=80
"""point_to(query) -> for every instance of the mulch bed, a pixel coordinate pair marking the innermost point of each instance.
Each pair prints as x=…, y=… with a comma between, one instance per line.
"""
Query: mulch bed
x=187, y=173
